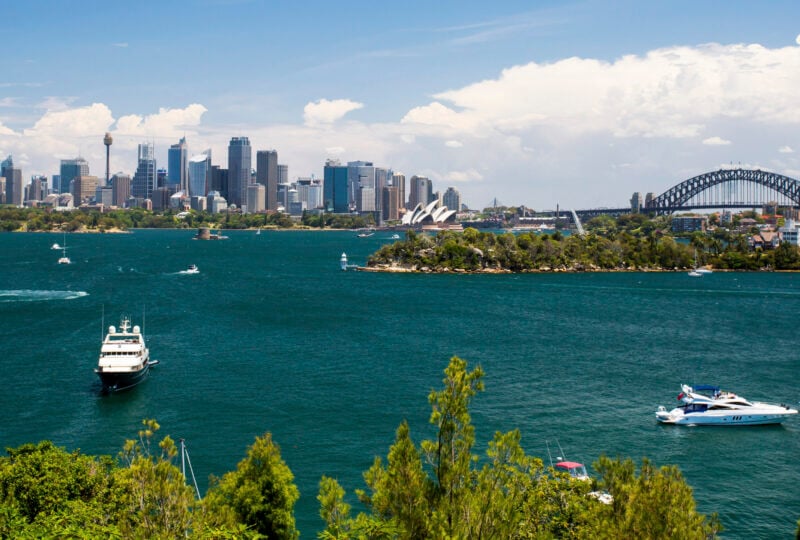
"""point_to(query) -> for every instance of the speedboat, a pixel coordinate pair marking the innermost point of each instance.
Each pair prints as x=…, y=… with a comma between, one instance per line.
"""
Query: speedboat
x=707, y=405
x=192, y=269
x=695, y=273
x=365, y=234
x=395, y=237
x=124, y=359
x=55, y=246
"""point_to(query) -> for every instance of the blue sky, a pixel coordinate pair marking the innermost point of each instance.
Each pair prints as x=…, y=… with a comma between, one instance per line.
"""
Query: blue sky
x=535, y=103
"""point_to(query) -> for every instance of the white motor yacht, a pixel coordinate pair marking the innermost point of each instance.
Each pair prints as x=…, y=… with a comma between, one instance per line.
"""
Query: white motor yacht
x=124, y=359
x=706, y=405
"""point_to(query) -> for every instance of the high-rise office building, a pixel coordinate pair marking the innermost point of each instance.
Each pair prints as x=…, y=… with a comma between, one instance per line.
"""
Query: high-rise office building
x=84, y=188
x=70, y=168
x=144, y=180
x=382, y=179
x=200, y=174
x=360, y=175
x=283, y=174
x=267, y=175
x=334, y=187
x=256, y=197
x=399, y=181
x=452, y=199
x=421, y=191
x=13, y=181
x=177, y=166
x=37, y=189
x=390, y=203
x=239, y=163
x=219, y=181
x=120, y=189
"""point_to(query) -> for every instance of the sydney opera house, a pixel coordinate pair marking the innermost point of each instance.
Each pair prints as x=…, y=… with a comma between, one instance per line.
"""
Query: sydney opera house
x=434, y=215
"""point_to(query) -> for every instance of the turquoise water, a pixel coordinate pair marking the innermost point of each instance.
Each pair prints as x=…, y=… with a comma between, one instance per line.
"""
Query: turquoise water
x=272, y=336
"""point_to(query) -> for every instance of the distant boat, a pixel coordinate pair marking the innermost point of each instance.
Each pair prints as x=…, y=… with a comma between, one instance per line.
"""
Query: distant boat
x=395, y=236
x=192, y=269
x=695, y=273
x=365, y=234
x=124, y=359
x=55, y=246
x=63, y=259
x=343, y=261
x=258, y=231
x=703, y=270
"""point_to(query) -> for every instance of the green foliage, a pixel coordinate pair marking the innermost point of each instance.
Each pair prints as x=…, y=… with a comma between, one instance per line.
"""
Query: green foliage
x=155, y=496
x=506, y=494
x=654, y=504
x=260, y=493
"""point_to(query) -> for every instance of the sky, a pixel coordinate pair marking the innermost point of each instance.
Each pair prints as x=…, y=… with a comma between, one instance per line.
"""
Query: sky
x=536, y=103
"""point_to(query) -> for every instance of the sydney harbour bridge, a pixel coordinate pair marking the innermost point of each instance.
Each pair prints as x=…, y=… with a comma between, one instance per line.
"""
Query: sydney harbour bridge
x=725, y=188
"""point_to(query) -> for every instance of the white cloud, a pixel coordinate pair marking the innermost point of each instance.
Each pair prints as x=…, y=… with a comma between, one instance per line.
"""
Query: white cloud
x=786, y=150
x=169, y=123
x=716, y=141
x=335, y=150
x=463, y=176
x=453, y=144
x=797, y=39
x=121, y=45
x=326, y=111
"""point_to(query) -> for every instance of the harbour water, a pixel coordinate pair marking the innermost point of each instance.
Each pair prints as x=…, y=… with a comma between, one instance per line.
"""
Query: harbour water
x=271, y=335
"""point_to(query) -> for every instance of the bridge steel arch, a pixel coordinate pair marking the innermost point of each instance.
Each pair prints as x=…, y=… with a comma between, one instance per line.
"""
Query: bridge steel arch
x=679, y=196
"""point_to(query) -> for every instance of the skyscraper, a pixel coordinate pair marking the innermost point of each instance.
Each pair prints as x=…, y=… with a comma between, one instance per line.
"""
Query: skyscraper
x=452, y=199
x=144, y=180
x=70, y=168
x=399, y=181
x=421, y=191
x=267, y=176
x=13, y=181
x=177, y=171
x=120, y=189
x=200, y=174
x=360, y=176
x=239, y=164
x=334, y=187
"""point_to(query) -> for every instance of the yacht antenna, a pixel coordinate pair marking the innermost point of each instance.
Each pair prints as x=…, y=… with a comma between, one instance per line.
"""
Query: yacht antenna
x=185, y=459
x=102, y=322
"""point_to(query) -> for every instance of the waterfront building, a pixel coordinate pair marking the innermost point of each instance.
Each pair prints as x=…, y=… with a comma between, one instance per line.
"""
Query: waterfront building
x=239, y=161
x=334, y=186
x=452, y=199
x=216, y=203
x=177, y=165
x=433, y=214
x=256, y=198
x=421, y=192
x=309, y=191
x=199, y=174
x=160, y=198
x=283, y=196
x=199, y=204
x=382, y=179
x=790, y=232
x=2, y=190
x=120, y=189
x=70, y=168
x=688, y=224
x=144, y=180
x=267, y=174
x=84, y=188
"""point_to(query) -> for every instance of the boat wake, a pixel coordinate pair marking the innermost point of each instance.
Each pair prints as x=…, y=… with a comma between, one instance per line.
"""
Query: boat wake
x=25, y=295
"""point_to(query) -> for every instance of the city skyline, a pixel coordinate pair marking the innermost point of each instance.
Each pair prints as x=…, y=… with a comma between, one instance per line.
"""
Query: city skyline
x=570, y=103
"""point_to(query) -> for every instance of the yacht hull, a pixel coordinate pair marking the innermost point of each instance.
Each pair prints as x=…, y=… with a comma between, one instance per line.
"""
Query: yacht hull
x=677, y=417
x=116, y=381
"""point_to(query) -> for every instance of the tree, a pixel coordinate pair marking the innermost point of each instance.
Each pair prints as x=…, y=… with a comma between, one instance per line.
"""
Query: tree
x=155, y=496
x=260, y=493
